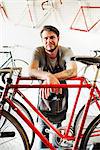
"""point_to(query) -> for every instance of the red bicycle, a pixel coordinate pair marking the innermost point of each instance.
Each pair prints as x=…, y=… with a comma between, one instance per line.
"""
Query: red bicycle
x=79, y=134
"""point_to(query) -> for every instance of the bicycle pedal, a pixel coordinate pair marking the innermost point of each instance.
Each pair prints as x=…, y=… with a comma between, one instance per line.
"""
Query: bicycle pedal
x=7, y=134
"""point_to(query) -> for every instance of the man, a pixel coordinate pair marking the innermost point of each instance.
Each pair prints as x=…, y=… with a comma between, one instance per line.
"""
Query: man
x=51, y=63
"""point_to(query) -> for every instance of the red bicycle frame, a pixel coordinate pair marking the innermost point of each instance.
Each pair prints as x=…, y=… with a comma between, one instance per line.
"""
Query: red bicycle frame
x=82, y=84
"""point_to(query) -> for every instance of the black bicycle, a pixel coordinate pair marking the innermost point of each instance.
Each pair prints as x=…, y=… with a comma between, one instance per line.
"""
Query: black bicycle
x=7, y=61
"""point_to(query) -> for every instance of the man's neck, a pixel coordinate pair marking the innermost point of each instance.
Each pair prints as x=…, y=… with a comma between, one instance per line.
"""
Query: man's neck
x=53, y=55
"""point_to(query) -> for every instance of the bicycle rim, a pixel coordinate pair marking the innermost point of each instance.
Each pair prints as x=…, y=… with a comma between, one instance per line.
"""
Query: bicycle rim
x=92, y=113
x=91, y=135
x=12, y=135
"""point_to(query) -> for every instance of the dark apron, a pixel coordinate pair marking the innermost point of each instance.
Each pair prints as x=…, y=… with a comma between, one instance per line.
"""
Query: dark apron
x=58, y=103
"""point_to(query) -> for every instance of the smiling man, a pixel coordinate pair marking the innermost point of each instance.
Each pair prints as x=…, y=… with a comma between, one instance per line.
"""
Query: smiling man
x=51, y=63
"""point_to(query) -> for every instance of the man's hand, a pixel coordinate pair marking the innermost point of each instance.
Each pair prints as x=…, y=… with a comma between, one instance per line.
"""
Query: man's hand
x=45, y=92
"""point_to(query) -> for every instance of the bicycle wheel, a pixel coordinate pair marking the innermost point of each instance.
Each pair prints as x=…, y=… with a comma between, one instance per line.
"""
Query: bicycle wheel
x=30, y=133
x=19, y=63
x=12, y=135
x=91, y=136
x=92, y=113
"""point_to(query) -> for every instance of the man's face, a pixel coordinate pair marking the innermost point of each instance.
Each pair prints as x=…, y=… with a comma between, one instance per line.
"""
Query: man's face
x=50, y=41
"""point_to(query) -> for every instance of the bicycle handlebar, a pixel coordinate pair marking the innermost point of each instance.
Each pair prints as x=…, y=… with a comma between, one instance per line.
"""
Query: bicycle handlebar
x=9, y=70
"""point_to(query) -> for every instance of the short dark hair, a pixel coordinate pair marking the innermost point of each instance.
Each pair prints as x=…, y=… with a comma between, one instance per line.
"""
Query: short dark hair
x=50, y=28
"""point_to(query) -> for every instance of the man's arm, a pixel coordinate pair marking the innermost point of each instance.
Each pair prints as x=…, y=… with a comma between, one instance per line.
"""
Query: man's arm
x=48, y=78
x=71, y=71
x=38, y=73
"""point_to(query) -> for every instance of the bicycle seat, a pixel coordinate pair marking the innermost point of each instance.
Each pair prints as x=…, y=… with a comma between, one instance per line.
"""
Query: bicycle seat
x=87, y=60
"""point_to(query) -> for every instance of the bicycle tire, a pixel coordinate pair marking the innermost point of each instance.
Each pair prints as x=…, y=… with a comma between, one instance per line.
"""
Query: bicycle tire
x=12, y=134
x=88, y=141
x=79, y=116
x=7, y=107
x=27, y=113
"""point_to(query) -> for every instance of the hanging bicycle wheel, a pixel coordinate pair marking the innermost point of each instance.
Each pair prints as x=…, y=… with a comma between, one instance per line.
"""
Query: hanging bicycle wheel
x=12, y=135
x=92, y=113
x=91, y=138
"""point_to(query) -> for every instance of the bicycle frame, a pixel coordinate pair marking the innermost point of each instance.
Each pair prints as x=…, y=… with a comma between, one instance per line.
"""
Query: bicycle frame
x=82, y=84
x=8, y=59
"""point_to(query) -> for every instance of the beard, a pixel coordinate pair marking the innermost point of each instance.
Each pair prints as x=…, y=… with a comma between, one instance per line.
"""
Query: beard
x=52, y=49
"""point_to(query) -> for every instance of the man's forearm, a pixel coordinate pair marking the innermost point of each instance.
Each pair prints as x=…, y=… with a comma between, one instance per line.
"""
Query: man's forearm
x=63, y=75
x=39, y=74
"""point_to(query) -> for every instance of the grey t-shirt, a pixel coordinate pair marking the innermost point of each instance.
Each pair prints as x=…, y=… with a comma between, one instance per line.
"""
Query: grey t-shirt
x=64, y=57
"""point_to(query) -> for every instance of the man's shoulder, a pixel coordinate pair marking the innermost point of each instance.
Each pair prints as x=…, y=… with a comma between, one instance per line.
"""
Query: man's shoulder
x=39, y=48
x=65, y=48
